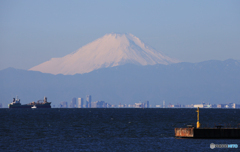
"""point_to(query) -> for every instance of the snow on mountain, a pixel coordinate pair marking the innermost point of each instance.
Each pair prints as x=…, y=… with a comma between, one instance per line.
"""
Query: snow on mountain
x=108, y=51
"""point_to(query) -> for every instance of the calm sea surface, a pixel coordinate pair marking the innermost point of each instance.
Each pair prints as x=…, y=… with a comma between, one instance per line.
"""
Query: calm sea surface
x=108, y=129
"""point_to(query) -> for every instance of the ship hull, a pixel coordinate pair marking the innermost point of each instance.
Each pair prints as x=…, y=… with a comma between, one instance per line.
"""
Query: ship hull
x=46, y=105
x=20, y=106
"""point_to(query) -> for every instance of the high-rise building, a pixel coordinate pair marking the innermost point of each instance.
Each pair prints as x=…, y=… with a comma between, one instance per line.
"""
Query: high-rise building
x=80, y=102
x=146, y=104
x=73, y=103
x=164, y=106
x=109, y=105
x=88, y=101
x=63, y=104
x=99, y=104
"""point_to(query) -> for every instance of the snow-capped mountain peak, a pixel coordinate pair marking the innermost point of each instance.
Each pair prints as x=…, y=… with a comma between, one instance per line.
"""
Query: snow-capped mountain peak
x=108, y=51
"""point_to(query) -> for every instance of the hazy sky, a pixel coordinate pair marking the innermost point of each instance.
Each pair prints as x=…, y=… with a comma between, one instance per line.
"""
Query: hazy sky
x=32, y=32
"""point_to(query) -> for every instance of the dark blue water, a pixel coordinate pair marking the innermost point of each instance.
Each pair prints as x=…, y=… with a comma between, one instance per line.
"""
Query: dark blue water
x=108, y=129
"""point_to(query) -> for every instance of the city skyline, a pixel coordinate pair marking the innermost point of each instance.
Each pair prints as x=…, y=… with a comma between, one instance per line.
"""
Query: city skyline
x=79, y=103
x=144, y=104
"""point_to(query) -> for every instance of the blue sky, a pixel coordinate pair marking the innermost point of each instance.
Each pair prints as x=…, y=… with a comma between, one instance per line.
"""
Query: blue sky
x=32, y=32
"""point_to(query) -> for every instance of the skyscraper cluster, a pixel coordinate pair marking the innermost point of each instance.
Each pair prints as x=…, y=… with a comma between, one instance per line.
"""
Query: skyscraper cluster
x=144, y=104
x=101, y=104
x=79, y=102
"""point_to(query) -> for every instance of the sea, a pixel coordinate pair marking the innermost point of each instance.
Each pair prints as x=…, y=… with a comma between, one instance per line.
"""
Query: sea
x=110, y=129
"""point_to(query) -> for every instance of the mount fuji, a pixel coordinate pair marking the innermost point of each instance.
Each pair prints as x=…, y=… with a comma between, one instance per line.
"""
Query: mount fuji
x=108, y=51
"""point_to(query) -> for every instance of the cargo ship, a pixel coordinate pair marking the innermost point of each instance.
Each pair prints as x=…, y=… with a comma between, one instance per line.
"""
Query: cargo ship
x=217, y=132
x=39, y=104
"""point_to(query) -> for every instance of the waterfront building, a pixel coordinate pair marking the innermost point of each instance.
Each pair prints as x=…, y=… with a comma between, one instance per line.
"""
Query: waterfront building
x=222, y=106
x=230, y=105
x=99, y=104
x=207, y=106
x=214, y=106
x=236, y=105
x=70, y=105
x=146, y=104
x=88, y=101
x=164, y=106
x=189, y=106
x=177, y=106
x=63, y=104
x=198, y=105
x=80, y=102
x=122, y=105
x=138, y=105
x=73, y=103
x=109, y=105
x=130, y=106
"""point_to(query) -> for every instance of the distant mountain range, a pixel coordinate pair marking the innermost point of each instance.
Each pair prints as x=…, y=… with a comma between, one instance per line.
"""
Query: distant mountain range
x=210, y=81
x=108, y=51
